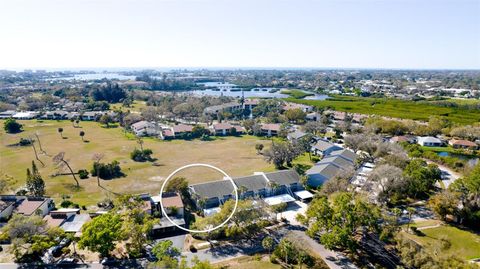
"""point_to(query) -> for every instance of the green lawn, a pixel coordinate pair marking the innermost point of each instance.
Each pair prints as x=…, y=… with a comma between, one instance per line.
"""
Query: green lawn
x=298, y=94
x=394, y=108
x=464, y=244
x=235, y=155
x=248, y=262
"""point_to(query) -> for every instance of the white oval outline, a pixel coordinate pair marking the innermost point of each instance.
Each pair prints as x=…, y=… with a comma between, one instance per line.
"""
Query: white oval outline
x=199, y=165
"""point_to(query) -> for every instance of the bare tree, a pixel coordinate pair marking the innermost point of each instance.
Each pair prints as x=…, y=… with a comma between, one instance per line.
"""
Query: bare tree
x=140, y=142
x=40, y=144
x=388, y=178
x=97, y=157
x=59, y=159
x=32, y=143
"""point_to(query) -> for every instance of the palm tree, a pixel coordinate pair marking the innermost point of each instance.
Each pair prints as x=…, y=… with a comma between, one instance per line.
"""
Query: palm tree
x=60, y=130
x=82, y=134
x=77, y=122
x=73, y=122
x=301, y=258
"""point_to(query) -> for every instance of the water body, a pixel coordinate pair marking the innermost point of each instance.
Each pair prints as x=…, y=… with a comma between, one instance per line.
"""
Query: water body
x=231, y=90
x=472, y=160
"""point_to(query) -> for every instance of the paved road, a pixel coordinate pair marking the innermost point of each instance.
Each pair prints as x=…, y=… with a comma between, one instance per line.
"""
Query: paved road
x=448, y=175
x=334, y=260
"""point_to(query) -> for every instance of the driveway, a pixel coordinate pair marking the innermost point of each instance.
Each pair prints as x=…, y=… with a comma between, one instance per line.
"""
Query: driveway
x=293, y=209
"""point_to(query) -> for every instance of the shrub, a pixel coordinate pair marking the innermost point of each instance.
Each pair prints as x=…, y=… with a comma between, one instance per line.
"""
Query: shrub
x=107, y=170
x=12, y=126
x=24, y=142
x=141, y=155
x=83, y=173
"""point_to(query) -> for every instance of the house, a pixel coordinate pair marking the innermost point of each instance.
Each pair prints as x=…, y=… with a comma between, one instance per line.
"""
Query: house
x=462, y=144
x=143, y=128
x=333, y=164
x=91, y=115
x=227, y=107
x=225, y=129
x=429, y=141
x=69, y=219
x=55, y=115
x=313, y=116
x=270, y=129
x=173, y=205
x=25, y=115
x=250, y=104
x=404, y=138
x=181, y=129
x=34, y=205
x=296, y=135
x=323, y=148
x=7, y=114
x=272, y=188
x=304, y=108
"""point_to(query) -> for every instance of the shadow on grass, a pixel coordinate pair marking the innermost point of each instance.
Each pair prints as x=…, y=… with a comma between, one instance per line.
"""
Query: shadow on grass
x=72, y=187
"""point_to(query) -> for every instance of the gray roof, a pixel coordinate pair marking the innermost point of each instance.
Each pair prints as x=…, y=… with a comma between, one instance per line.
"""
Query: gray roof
x=337, y=161
x=345, y=153
x=297, y=134
x=323, y=145
x=75, y=222
x=252, y=183
x=284, y=177
x=213, y=189
x=326, y=170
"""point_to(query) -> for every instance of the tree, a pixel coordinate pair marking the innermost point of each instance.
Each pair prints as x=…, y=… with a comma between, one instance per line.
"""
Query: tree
x=141, y=155
x=259, y=148
x=30, y=237
x=295, y=115
x=106, y=119
x=420, y=177
x=136, y=224
x=97, y=157
x=59, y=159
x=268, y=243
x=337, y=222
x=60, y=131
x=468, y=190
x=107, y=171
x=101, y=234
x=82, y=134
x=314, y=127
x=444, y=203
x=35, y=183
x=391, y=181
x=410, y=212
x=12, y=126
x=177, y=184
x=164, y=250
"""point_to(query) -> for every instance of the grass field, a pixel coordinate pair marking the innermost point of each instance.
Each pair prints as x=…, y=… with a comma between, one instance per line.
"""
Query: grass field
x=235, y=155
x=464, y=244
x=394, y=108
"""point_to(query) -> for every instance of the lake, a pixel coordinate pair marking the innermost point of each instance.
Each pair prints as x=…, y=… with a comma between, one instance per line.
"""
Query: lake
x=470, y=159
x=231, y=90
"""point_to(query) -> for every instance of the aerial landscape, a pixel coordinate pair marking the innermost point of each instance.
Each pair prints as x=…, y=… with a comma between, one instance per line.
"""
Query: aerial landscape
x=240, y=134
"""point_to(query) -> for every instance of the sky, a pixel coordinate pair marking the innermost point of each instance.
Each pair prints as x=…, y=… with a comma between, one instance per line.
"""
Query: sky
x=412, y=34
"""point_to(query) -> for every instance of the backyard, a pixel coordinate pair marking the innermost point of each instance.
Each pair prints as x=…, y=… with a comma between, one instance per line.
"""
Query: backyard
x=235, y=155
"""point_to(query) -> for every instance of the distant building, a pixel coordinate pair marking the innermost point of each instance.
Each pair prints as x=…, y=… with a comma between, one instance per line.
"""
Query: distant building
x=429, y=141
x=144, y=128
x=270, y=129
x=225, y=129
x=228, y=107
x=25, y=115
x=464, y=144
x=7, y=114
x=304, y=108
x=404, y=138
